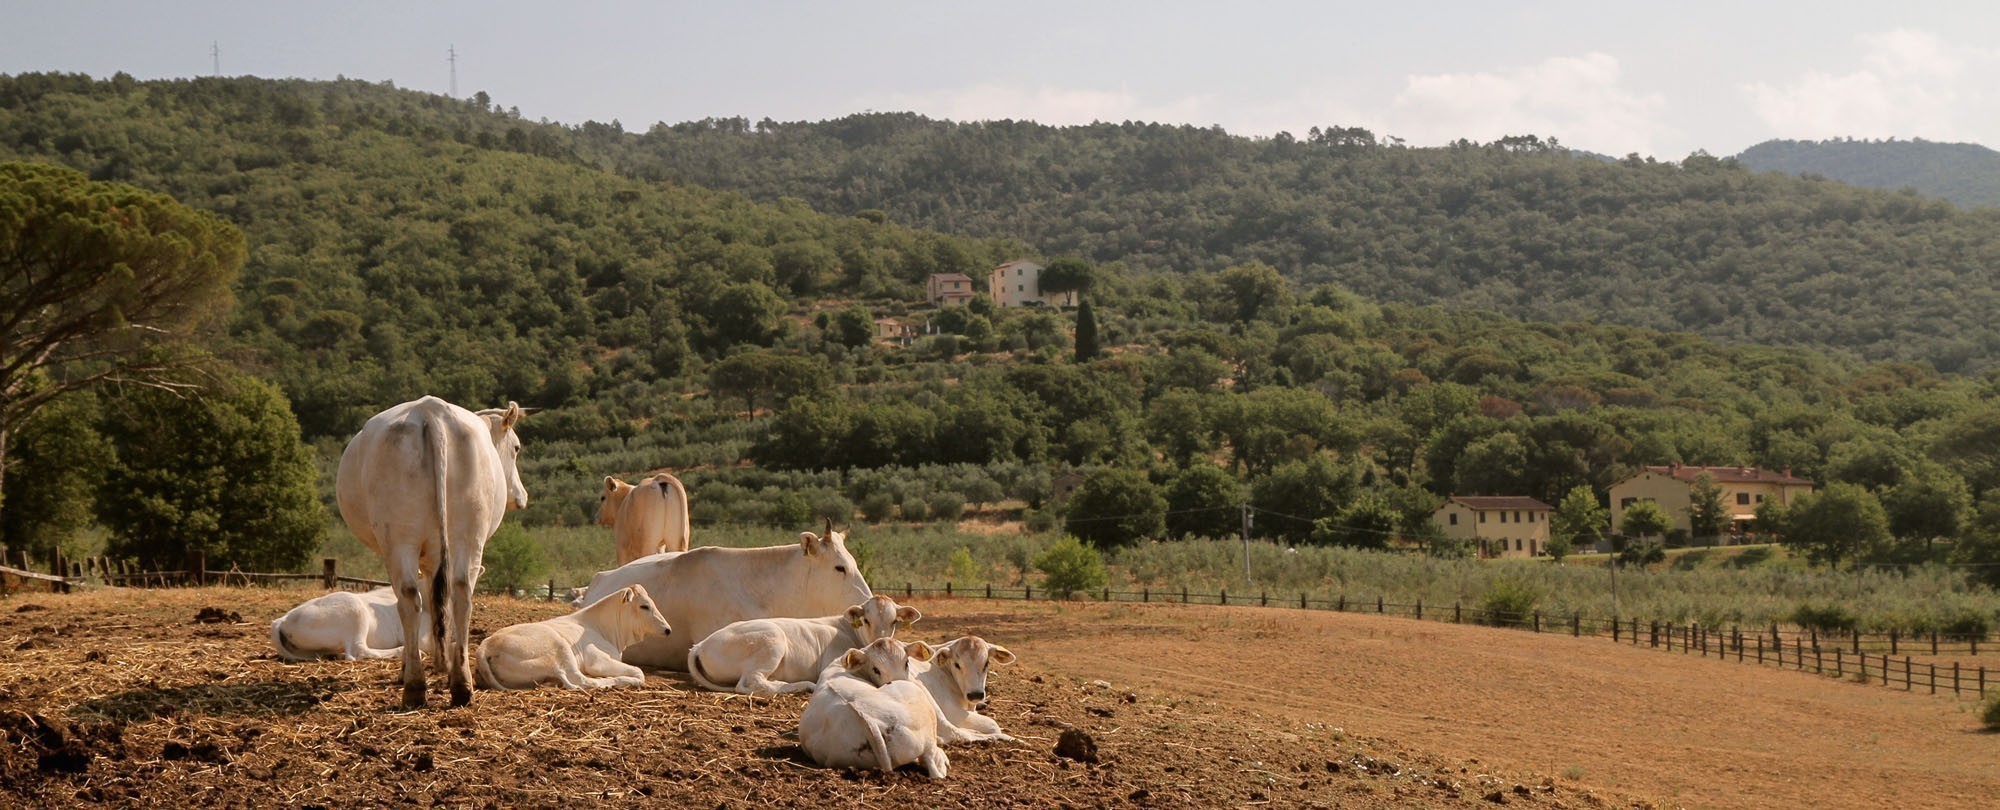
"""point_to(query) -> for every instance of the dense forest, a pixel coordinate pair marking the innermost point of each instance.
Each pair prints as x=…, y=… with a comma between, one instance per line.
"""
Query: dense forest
x=1345, y=344
x=1964, y=173
x=1520, y=226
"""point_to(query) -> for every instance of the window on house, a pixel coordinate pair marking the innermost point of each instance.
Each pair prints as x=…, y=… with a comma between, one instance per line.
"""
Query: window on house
x=1517, y=544
x=1742, y=498
x=1760, y=499
x=1626, y=503
x=1503, y=517
x=1482, y=517
x=1454, y=518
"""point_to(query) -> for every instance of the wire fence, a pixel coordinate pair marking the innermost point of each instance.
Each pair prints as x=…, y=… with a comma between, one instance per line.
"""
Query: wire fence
x=1887, y=659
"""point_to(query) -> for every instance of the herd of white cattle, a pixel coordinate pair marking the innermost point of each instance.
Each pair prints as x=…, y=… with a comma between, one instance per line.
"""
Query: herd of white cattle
x=425, y=483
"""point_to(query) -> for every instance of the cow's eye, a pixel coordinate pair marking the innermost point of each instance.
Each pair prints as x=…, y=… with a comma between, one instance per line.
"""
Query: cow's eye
x=840, y=568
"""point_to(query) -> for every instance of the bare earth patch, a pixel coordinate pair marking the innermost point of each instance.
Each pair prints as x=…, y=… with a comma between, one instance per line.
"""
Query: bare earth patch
x=123, y=697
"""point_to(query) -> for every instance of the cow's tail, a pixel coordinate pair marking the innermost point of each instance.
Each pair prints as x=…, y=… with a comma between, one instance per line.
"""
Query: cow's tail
x=679, y=533
x=482, y=672
x=700, y=675
x=434, y=438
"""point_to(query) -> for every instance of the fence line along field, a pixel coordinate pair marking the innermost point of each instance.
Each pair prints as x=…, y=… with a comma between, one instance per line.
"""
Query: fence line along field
x=174, y=698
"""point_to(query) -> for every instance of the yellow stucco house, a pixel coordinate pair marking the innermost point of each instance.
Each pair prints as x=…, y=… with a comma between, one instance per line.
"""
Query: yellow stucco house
x=1499, y=525
x=1743, y=490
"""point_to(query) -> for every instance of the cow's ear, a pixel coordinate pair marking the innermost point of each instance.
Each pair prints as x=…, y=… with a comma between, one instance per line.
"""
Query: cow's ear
x=610, y=484
x=918, y=651
x=630, y=595
x=512, y=416
x=854, y=615
x=809, y=542
x=999, y=655
x=853, y=658
x=908, y=615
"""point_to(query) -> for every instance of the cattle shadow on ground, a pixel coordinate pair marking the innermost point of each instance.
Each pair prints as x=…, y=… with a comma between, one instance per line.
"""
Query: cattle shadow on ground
x=221, y=699
x=790, y=752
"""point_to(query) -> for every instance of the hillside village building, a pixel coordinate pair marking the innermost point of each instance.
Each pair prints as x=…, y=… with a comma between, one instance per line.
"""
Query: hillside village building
x=1501, y=526
x=1672, y=487
x=1019, y=284
x=948, y=289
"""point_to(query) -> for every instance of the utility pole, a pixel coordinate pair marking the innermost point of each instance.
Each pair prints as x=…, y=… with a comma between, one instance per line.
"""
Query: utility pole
x=1247, y=519
x=215, y=52
x=451, y=55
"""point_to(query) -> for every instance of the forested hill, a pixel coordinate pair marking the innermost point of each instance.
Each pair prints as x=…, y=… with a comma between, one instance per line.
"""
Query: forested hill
x=1965, y=173
x=401, y=243
x=1520, y=226
x=404, y=242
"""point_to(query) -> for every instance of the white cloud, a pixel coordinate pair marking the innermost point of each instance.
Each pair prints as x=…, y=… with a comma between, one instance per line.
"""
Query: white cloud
x=1910, y=84
x=1046, y=105
x=1577, y=100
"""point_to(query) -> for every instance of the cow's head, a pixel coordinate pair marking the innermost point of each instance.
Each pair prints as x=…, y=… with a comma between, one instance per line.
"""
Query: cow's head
x=884, y=660
x=967, y=659
x=607, y=502
x=642, y=613
x=833, y=569
x=500, y=422
x=880, y=617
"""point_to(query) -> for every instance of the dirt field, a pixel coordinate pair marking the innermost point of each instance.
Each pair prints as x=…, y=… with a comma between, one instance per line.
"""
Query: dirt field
x=122, y=697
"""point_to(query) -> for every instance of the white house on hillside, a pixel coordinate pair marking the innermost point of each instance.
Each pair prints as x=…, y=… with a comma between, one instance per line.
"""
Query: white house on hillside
x=1019, y=284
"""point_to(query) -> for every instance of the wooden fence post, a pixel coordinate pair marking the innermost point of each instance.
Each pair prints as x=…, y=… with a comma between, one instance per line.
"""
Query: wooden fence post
x=198, y=567
x=1183, y=594
x=1302, y=600
x=1458, y=613
x=1342, y=607
x=1575, y=624
x=1378, y=604
x=947, y=587
x=1146, y=594
x=552, y=589
x=1892, y=641
x=1264, y=598
x=1224, y=599
x=1538, y=621
x=989, y=590
x=1420, y=610
x=329, y=574
x=1615, y=628
x=1027, y=592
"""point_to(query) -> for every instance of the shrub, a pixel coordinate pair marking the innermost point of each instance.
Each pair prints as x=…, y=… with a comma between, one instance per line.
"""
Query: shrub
x=878, y=507
x=1991, y=714
x=1037, y=521
x=1070, y=566
x=960, y=568
x=946, y=507
x=1826, y=618
x=914, y=509
x=1509, y=604
x=512, y=559
x=1967, y=623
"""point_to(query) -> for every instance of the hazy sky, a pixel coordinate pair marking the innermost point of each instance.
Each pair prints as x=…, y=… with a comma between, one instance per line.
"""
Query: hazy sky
x=1657, y=78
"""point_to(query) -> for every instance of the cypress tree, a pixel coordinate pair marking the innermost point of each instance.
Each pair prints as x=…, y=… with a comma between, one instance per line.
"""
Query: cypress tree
x=1086, y=331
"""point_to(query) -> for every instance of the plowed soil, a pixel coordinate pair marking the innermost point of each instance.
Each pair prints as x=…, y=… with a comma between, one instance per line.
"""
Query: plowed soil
x=126, y=698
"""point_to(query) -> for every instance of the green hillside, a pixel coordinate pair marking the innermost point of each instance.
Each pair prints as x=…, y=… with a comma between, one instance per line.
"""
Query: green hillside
x=401, y=244
x=1964, y=173
x=1520, y=226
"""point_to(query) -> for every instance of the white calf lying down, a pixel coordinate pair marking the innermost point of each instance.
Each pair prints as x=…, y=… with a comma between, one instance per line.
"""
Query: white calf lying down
x=578, y=651
x=763, y=656
x=866, y=714
x=955, y=676
x=344, y=625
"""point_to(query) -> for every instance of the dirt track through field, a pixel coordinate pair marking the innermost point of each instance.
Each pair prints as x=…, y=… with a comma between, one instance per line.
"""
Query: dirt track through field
x=1685, y=730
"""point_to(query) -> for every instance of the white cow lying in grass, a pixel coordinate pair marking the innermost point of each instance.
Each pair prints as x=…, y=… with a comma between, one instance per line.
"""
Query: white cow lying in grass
x=955, y=677
x=578, y=651
x=341, y=624
x=867, y=714
x=762, y=656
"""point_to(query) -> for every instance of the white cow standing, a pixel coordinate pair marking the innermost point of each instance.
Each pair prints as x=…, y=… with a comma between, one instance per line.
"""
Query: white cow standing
x=866, y=713
x=577, y=651
x=351, y=626
x=649, y=517
x=424, y=484
x=955, y=676
x=779, y=655
x=705, y=589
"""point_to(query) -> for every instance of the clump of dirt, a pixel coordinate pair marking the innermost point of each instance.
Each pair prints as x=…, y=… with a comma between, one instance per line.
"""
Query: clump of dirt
x=1076, y=744
x=29, y=608
x=215, y=615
